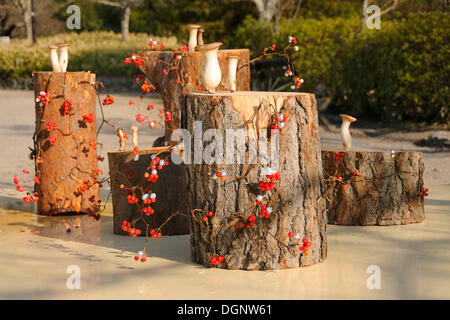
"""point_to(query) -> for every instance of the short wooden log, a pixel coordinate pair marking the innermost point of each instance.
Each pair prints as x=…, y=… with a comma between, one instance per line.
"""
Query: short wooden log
x=297, y=202
x=191, y=69
x=169, y=188
x=66, y=167
x=374, y=188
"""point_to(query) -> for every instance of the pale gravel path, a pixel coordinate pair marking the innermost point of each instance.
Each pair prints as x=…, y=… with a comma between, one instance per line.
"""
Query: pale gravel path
x=17, y=117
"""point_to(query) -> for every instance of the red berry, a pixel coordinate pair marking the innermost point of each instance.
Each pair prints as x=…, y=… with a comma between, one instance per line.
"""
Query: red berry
x=210, y=213
x=136, y=258
x=205, y=219
x=290, y=234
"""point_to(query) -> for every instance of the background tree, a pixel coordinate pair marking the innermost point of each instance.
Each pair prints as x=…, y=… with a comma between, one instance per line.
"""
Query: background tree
x=125, y=7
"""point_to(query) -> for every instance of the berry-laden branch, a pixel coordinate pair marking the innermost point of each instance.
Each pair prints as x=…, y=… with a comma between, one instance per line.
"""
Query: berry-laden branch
x=284, y=52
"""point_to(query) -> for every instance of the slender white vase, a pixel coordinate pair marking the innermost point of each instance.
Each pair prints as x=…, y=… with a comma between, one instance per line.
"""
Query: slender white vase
x=63, y=56
x=211, y=74
x=346, y=137
x=56, y=67
x=232, y=68
x=193, y=30
x=200, y=36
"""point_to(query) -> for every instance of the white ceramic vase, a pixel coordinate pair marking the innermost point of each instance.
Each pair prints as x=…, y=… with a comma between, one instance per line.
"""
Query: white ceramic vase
x=193, y=30
x=232, y=68
x=56, y=66
x=63, y=56
x=346, y=137
x=211, y=74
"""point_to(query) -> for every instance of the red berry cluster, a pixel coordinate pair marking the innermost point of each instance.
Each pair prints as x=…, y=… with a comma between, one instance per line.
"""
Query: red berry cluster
x=273, y=47
x=148, y=210
x=298, y=82
x=88, y=118
x=143, y=259
x=147, y=87
x=43, y=98
x=156, y=44
x=29, y=198
x=210, y=214
x=155, y=234
x=166, y=73
x=140, y=118
x=265, y=211
x=280, y=122
x=51, y=125
x=125, y=136
x=338, y=156
x=156, y=164
x=150, y=106
x=221, y=174
x=266, y=186
x=135, y=59
x=424, y=193
x=132, y=199
x=67, y=106
x=355, y=173
x=305, y=246
x=133, y=232
x=216, y=261
x=292, y=40
x=250, y=221
x=108, y=100
x=52, y=140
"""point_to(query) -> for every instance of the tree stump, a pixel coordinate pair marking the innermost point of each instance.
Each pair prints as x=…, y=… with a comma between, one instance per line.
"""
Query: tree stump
x=169, y=188
x=374, y=188
x=296, y=201
x=191, y=68
x=67, y=169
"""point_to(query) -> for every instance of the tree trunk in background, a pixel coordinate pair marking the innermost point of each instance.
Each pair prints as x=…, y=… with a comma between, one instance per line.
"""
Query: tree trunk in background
x=386, y=191
x=125, y=23
x=297, y=202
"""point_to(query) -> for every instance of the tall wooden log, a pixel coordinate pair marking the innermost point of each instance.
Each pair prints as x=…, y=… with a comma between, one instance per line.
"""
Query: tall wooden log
x=296, y=201
x=169, y=188
x=67, y=167
x=374, y=188
x=191, y=67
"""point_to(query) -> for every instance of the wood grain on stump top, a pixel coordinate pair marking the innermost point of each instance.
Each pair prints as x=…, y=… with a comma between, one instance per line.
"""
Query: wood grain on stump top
x=69, y=162
x=297, y=202
x=386, y=192
x=191, y=69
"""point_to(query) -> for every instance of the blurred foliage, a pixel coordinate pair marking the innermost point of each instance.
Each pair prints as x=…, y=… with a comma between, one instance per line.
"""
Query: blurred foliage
x=101, y=52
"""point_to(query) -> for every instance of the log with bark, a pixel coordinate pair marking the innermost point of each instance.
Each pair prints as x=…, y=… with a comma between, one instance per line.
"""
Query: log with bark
x=296, y=201
x=190, y=70
x=374, y=188
x=67, y=169
x=169, y=188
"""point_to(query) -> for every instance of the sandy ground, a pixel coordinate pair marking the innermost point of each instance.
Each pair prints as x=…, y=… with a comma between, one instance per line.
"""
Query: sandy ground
x=35, y=252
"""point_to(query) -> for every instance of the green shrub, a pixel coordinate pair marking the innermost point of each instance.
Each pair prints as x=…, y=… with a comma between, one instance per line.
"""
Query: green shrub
x=102, y=53
x=399, y=72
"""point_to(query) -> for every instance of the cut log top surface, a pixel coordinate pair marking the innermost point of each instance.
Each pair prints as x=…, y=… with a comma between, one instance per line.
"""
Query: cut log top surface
x=373, y=151
x=153, y=52
x=141, y=151
x=250, y=93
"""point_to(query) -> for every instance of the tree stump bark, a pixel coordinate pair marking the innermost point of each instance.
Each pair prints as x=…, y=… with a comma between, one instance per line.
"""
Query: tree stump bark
x=191, y=69
x=386, y=191
x=67, y=167
x=169, y=188
x=297, y=203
